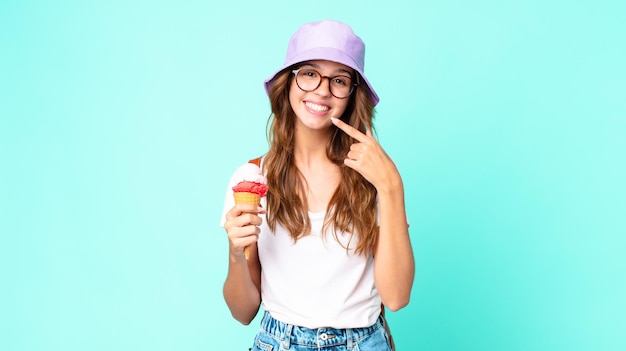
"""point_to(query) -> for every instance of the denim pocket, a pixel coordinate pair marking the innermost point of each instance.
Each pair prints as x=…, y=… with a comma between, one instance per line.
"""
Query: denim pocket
x=378, y=340
x=263, y=346
x=264, y=342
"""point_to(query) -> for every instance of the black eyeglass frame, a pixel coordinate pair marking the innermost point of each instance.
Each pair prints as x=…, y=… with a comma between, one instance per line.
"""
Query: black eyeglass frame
x=352, y=87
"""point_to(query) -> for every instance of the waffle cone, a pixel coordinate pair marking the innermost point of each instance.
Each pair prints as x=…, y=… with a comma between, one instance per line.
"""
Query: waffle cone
x=242, y=197
x=247, y=198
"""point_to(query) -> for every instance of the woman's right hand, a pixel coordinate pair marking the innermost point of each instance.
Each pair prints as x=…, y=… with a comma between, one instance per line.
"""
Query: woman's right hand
x=242, y=227
x=242, y=288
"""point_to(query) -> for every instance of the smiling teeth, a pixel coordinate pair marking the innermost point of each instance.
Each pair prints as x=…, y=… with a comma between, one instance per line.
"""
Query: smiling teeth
x=318, y=108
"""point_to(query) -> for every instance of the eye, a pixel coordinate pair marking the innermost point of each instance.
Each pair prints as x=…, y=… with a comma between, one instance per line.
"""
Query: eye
x=341, y=80
x=309, y=74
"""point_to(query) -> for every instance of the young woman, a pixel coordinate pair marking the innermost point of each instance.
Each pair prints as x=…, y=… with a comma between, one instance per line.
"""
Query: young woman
x=330, y=242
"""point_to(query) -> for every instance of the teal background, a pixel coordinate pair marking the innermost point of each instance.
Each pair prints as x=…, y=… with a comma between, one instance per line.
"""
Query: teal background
x=121, y=122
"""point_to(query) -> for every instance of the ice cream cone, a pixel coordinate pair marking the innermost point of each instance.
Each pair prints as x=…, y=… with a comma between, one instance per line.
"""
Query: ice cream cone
x=243, y=197
x=247, y=198
x=249, y=187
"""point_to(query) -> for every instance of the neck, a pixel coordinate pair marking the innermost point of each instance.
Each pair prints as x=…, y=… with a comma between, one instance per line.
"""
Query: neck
x=310, y=148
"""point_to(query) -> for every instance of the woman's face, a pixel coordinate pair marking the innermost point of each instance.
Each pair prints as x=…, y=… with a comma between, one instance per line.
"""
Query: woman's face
x=314, y=108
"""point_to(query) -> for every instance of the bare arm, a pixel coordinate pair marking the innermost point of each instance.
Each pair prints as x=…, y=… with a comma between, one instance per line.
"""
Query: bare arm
x=242, y=288
x=394, y=265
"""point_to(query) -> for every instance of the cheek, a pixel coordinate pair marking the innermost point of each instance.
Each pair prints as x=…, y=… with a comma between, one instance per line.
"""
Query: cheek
x=341, y=106
x=294, y=95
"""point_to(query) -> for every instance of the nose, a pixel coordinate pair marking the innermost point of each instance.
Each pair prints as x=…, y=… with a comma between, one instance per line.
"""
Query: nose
x=323, y=89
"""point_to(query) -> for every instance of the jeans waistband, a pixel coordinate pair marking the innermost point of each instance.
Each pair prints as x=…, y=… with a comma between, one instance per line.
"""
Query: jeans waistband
x=289, y=334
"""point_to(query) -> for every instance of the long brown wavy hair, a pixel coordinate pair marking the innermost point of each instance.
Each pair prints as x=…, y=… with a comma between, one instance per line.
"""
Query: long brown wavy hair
x=352, y=209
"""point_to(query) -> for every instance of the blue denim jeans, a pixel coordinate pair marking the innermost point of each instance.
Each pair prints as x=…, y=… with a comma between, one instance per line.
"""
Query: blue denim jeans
x=278, y=336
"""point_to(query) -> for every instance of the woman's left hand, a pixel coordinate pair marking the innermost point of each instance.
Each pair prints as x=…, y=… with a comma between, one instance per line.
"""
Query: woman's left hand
x=368, y=158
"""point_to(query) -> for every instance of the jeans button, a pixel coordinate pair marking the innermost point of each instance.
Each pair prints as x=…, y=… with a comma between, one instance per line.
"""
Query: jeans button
x=324, y=337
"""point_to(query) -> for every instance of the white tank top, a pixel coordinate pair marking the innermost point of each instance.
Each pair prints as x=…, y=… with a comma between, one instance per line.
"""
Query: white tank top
x=314, y=282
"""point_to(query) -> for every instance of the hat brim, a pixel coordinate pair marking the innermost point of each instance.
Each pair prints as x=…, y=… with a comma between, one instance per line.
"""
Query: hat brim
x=324, y=53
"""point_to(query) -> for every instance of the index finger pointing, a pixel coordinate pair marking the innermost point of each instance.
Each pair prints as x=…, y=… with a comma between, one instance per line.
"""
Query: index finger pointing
x=348, y=129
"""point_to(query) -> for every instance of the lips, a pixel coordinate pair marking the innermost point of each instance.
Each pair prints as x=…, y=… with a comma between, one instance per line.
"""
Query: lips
x=316, y=107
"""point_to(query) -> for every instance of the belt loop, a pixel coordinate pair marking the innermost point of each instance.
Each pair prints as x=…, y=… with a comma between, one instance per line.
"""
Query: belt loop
x=286, y=344
x=349, y=338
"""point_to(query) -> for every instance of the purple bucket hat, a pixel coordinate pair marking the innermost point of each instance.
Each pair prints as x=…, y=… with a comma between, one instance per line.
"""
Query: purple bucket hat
x=326, y=40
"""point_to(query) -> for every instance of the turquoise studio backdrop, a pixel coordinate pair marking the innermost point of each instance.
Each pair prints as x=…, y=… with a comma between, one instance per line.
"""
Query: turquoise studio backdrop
x=121, y=122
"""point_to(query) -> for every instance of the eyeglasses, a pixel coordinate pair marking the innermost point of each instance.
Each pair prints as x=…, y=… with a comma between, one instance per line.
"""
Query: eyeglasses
x=308, y=79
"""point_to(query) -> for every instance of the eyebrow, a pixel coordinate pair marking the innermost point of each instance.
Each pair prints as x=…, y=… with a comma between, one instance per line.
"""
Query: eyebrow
x=338, y=70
